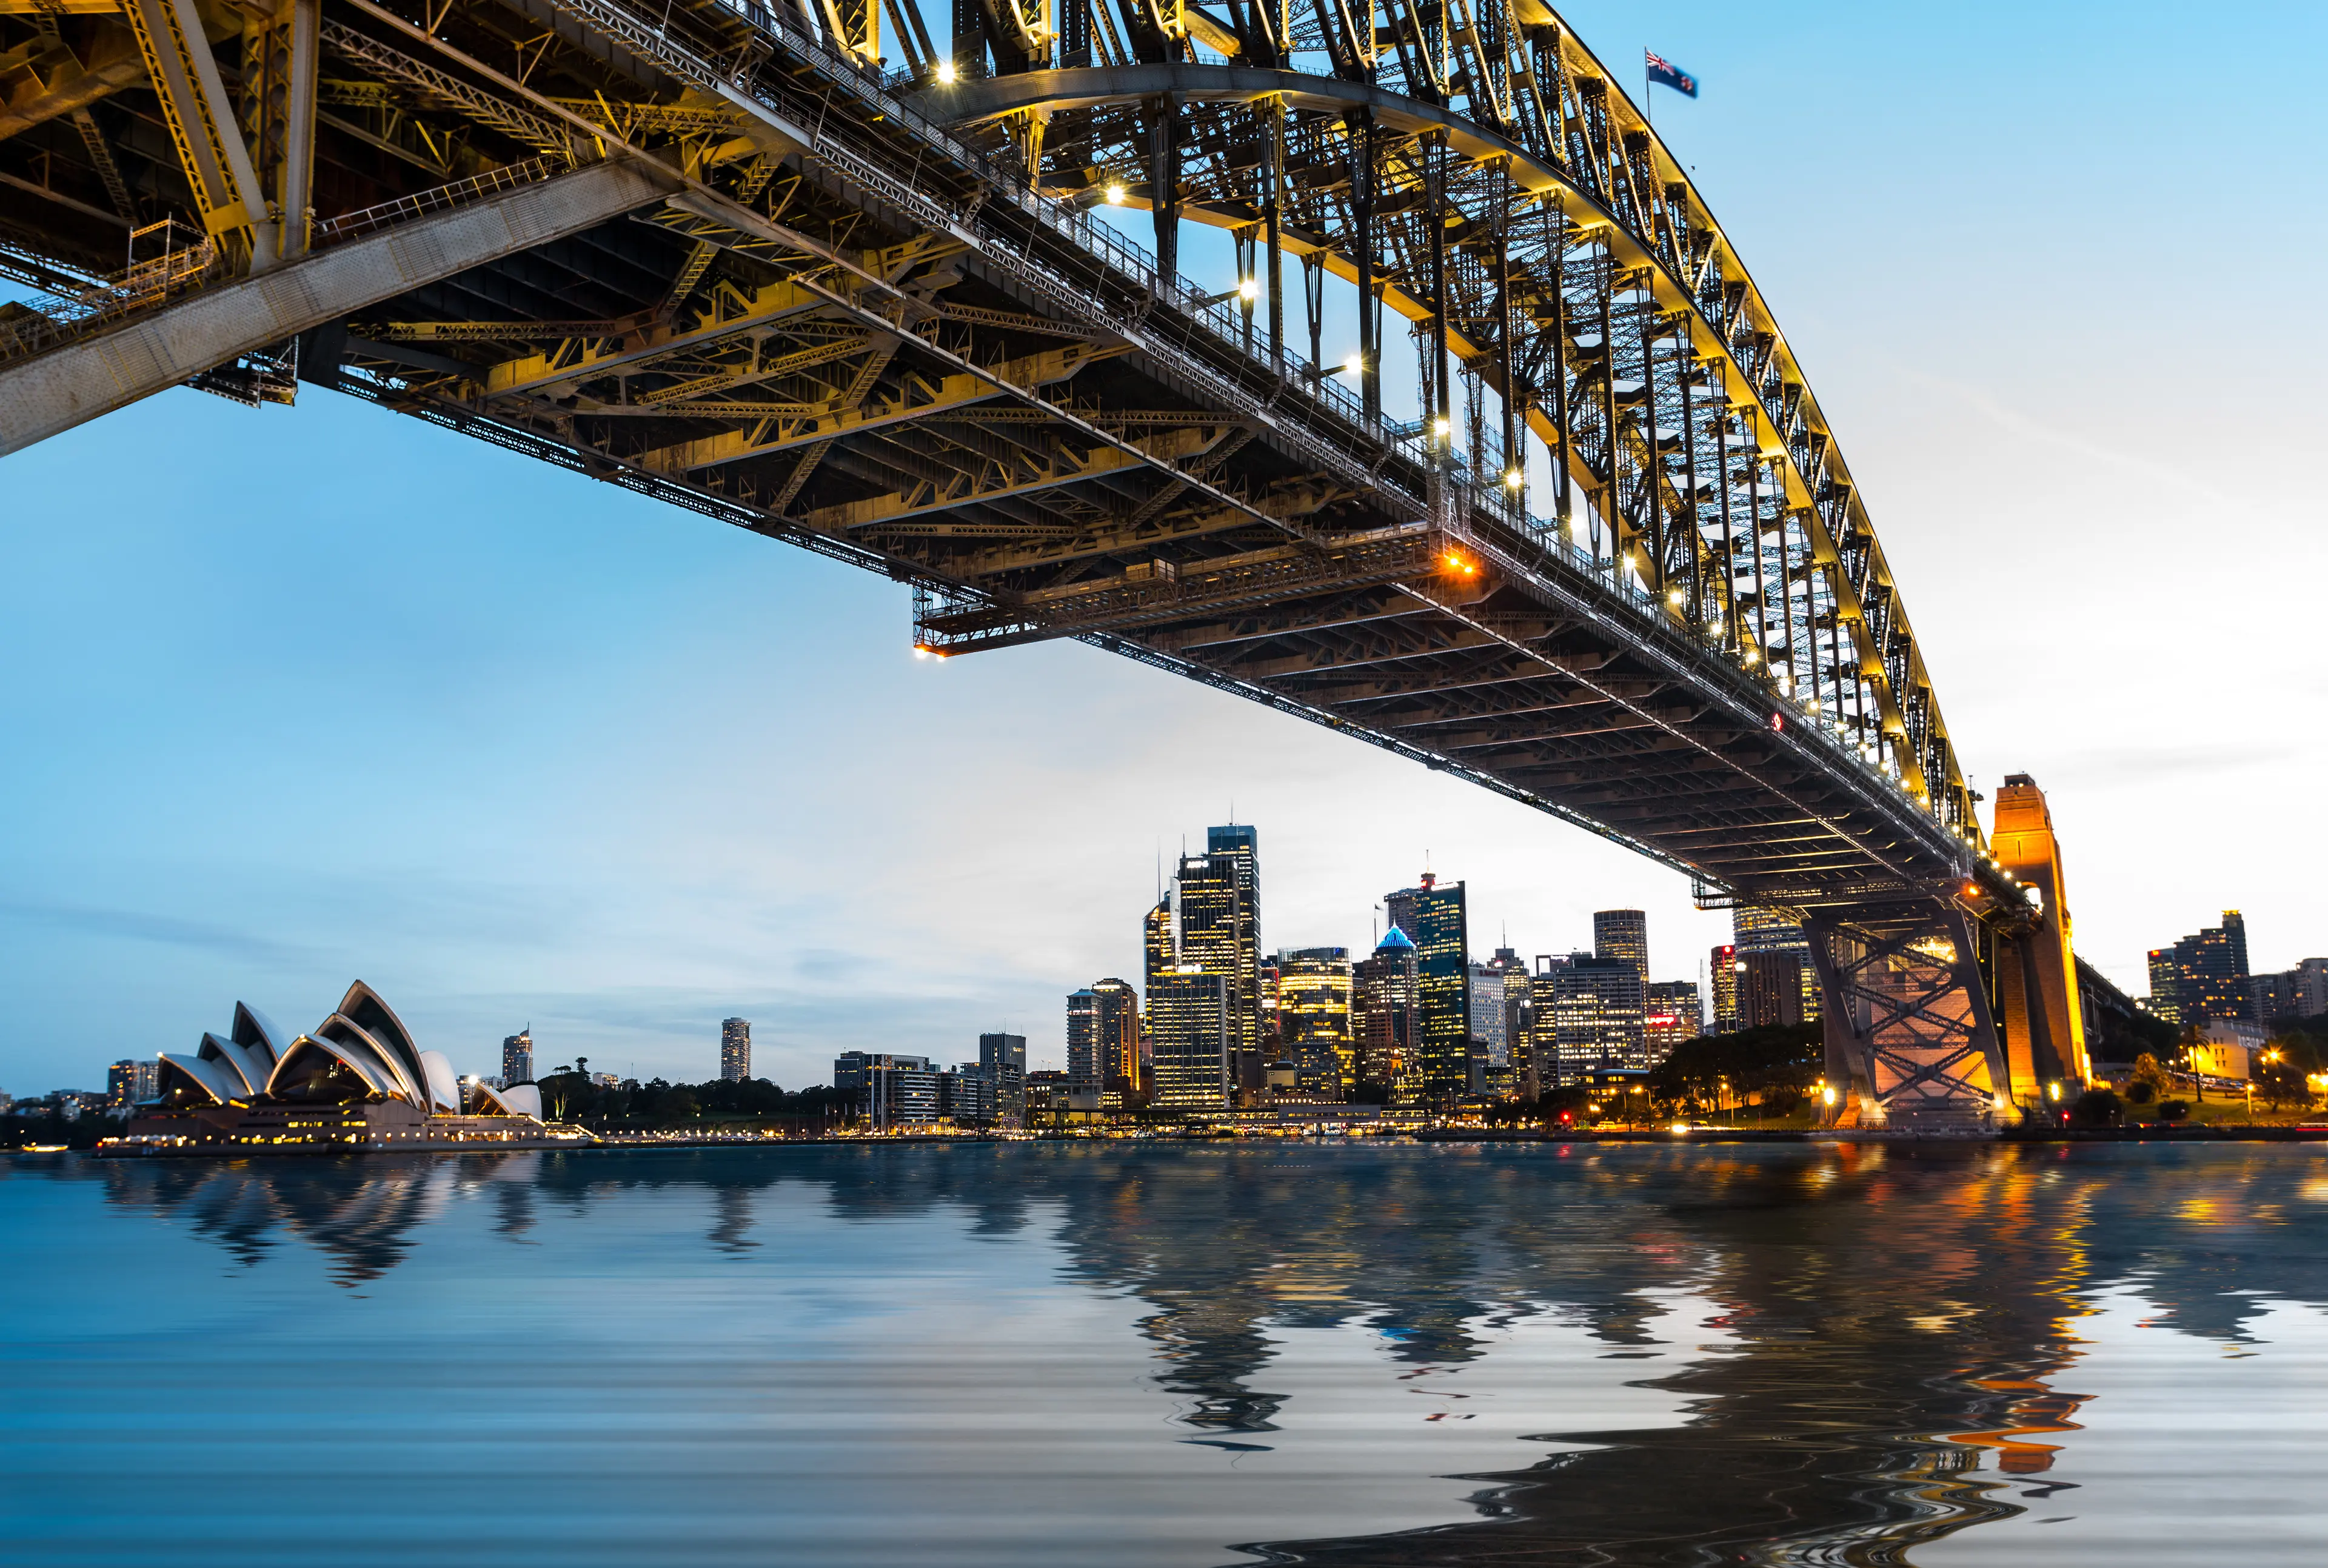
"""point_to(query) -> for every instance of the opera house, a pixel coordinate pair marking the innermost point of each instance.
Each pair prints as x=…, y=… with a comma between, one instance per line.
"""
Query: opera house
x=357, y=1081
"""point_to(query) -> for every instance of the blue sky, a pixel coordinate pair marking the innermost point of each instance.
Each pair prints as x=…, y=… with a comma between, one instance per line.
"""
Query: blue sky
x=298, y=695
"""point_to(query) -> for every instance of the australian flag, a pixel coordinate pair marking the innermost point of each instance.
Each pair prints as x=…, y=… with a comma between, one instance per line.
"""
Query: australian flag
x=1665, y=73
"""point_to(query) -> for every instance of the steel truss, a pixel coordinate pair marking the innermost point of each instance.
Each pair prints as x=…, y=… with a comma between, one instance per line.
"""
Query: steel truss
x=876, y=316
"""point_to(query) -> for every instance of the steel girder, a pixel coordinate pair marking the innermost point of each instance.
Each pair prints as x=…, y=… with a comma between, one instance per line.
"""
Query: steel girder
x=846, y=325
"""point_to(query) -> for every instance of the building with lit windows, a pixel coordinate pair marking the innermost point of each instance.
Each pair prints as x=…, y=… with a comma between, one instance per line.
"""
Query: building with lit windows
x=1103, y=1041
x=1756, y=931
x=1623, y=933
x=1313, y=1019
x=2204, y=976
x=1499, y=1005
x=1441, y=1068
x=1191, y=1041
x=517, y=1057
x=1385, y=1017
x=1671, y=1015
x=1003, y=1059
x=358, y=1081
x=131, y=1083
x=1596, y=1017
x=1216, y=899
x=1723, y=968
x=734, y=1050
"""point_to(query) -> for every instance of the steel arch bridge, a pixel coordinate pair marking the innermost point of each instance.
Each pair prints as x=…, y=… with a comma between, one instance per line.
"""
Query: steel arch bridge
x=711, y=251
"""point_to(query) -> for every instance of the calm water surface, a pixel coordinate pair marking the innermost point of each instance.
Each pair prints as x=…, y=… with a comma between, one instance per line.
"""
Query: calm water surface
x=1200, y=1355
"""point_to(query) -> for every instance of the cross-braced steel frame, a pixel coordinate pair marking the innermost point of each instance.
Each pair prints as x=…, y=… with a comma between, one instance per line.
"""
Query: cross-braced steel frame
x=712, y=253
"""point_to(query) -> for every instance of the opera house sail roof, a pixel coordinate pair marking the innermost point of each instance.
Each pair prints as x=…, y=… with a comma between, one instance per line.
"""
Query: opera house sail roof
x=360, y=1063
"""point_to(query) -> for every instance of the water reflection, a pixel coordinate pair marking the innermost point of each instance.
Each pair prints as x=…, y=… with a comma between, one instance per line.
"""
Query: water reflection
x=1898, y=1331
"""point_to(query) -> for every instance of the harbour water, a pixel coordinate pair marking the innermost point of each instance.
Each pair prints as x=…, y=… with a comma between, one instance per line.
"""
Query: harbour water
x=1171, y=1355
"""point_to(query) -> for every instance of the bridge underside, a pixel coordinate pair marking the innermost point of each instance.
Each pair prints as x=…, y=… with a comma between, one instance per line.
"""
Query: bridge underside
x=723, y=265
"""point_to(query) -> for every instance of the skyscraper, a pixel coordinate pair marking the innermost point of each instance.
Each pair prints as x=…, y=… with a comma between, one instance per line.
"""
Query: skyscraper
x=1219, y=932
x=517, y=1057
x=1190, y=1042
x=1670, y=1017
x=2204, y=975
x=1723, y=967
x=1500, y=992
x=1770, y=988
x=1313, y=1019
x=132, y=1083
x=1623, y=933
x=734, y=1050
x=1754, y=931
x=1003, y=1059
x=1103, y=1039
x=1383, y=1022
x=1596, y=1006
x=1443, y=960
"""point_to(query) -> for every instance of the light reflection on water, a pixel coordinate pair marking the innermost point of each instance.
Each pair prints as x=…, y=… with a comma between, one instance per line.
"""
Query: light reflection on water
x=1035, y=1354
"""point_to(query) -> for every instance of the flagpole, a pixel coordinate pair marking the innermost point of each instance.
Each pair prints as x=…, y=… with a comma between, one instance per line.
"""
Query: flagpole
x=1648, y=110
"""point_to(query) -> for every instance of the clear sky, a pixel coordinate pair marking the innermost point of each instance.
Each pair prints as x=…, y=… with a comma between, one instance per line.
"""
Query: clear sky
x=295, y=696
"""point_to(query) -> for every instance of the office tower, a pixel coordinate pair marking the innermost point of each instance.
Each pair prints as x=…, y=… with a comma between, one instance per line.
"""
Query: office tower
x=1441, y=1069
x=1384, y=1020
x=1003, y=1059
x=1672, y=1015
x=890, y=1090
x=1756, y=931
x=966, y=1096
x=517, y=1057
x=1596, y=1007
x=1623, y=933
x=1770, y=987
x=1313, y=1019
x=1191, y=1042
x=1218, y=902
x=1103, y=1039
x=735, y=1050
x=1721, y=972
x=132, y=1083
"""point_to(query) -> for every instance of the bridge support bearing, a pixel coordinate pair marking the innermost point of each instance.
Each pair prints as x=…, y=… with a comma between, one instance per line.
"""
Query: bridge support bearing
x=1911, y=1044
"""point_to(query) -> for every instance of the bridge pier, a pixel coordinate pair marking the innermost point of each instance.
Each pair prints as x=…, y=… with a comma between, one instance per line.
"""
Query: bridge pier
x=1910, y=1041
x=2037, y=998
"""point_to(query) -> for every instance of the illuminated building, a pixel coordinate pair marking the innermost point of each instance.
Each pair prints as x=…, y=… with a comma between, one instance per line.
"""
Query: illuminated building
x=2300, y=992
x=1723, y=971
x=1442, y=1067
x=131, y=1083
x=1217, y=901
x=1754, y=931
x=966, y=1096
x=1596, y=1017
x=1623, y=933
x=2204, y=975
x=1671, y=1015
x=1190, y=1040
x=358, y=1081
x=1499, y=1003
x=1103, y=1039
x=1003, y=1059
x=734, y=1050
x=517, y=1057
x=1383, y=1015
x=1313, y=1019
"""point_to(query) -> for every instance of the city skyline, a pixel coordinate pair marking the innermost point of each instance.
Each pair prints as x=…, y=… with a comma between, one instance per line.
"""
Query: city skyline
x=591, y=753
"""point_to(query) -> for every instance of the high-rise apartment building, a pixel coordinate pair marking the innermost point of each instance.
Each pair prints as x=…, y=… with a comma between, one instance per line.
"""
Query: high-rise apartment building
x=734, y=1050
x=1723, y=969
x=2300, y=992
x=1443, y=1067
x=1384, y=1015
x=132, y=1083
x=2204, y=976
x=517, y=1057
x=1770, y=988
x=1313, y=1019
x=1597, y=1009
